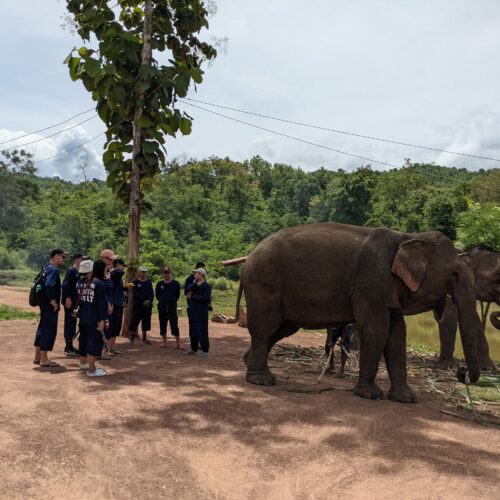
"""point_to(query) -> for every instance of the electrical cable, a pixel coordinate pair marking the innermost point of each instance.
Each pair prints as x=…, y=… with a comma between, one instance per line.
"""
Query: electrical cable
x=400, y=143
x=294, y=138
x=49, y=136
x=47, y=128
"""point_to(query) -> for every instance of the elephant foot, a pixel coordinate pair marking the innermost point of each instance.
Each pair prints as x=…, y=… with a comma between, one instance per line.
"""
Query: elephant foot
x=446, y=363
x=261, y=377
x=403, y=395
x=486, y=364
x=368, y=391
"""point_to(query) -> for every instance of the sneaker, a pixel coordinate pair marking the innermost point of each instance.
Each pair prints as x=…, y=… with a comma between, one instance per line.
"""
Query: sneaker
x=71, y=351
x=84, y=366
x=189, y=352
x=99, y=372
x=145, y=341
x=203, y=354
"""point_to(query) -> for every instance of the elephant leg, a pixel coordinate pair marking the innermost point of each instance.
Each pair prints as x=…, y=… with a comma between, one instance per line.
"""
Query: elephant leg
x=483, y=353
x=447, y=334
x=373, y=324
x=282, y=332
x=395, y=360
x=263, y=325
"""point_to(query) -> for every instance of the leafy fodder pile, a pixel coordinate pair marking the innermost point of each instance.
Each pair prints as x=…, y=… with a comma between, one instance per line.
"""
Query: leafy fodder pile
x=478, y=402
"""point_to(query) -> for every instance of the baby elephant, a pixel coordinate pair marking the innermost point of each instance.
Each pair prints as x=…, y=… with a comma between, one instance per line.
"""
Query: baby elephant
x=342, y=337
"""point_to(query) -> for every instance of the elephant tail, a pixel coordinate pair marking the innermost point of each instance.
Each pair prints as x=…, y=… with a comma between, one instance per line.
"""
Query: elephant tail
x=238, y=300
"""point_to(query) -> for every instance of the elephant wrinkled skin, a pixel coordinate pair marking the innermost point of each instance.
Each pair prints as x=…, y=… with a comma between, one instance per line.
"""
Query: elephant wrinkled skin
x=322, y=275
x=483, y=265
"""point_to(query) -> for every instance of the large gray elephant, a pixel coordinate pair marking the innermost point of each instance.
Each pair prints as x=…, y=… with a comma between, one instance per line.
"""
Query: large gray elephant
x=322, y=275
x=483, y=265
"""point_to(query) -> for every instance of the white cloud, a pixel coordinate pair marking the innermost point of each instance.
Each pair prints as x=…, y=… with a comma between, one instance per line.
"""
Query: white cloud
x=70, y=163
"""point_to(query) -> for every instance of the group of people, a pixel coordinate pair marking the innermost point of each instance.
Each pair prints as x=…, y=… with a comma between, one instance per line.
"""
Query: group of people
x=93, y=295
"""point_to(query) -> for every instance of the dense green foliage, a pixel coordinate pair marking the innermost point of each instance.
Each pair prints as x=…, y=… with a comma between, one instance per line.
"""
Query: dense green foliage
x=216, y=209
x=110, y=66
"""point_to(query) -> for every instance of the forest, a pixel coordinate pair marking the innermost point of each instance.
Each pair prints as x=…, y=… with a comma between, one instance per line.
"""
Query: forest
x=214, y=209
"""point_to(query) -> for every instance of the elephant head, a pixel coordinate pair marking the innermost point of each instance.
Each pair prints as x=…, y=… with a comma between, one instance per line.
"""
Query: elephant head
x=484, y=264
x=430, y=270
x=495, y=319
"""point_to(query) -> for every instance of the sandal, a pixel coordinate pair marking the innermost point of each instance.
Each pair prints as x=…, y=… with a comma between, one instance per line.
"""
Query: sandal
x=50, y=364
x=104, y=357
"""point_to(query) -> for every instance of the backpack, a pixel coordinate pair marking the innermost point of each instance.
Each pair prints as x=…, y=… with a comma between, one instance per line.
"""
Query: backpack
x=36, y=290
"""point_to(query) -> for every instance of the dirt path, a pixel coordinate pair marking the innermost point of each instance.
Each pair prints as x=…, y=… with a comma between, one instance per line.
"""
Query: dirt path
x=165, y=425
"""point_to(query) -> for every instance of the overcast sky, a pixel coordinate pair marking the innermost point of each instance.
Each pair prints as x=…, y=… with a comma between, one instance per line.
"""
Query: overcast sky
x=421, y=72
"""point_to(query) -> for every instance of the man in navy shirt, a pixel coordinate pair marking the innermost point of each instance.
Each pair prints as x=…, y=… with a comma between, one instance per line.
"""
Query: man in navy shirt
x=70, y=300
x=49, y=309
x=167, y=294
x=117, y=301
x=199, y=296
x=142, y=305
x=187, y=284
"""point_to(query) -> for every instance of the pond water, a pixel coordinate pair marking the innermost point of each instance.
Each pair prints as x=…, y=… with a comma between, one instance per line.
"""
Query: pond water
x=423, y=329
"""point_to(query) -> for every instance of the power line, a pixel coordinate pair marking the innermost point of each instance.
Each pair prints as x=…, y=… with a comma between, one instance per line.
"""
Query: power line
x=294, y=138
x=47, y=128
x=49, y=136
x=336, y=131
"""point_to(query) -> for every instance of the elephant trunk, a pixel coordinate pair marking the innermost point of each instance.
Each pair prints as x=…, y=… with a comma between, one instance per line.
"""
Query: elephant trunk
x=495, y=319
x=469, y=324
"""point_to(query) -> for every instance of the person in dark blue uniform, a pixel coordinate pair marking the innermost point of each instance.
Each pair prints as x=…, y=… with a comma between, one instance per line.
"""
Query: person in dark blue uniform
x=85, y=275
x=342, y=337
x=92, y=312
x=49, y=309
x=117, y=302
x=142, y=305
x=199, y=294
x=167, y=294
x=69, y=299
x=189, y=281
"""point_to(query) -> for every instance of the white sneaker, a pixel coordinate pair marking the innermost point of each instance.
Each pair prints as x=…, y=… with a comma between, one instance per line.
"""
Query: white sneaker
x=84, y=366
x=99, y=372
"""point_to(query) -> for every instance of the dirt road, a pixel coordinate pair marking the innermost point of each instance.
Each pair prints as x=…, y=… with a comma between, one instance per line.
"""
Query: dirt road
x=164, y=425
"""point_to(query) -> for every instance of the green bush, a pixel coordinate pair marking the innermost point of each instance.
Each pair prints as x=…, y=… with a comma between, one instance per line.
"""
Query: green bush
x=19, y=277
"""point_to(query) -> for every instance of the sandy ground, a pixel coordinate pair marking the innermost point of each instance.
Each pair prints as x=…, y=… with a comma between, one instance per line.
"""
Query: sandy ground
x=164, y=425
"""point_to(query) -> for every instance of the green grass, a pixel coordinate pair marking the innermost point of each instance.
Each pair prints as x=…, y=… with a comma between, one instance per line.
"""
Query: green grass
x=7, y=312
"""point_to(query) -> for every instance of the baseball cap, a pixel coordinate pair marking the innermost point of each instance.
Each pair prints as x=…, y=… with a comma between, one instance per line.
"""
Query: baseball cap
x=58, y=251
x=119, y=261
x=201, y=271
x=80, y=255
x=166, y=268
x=108, y=254
x=143, y=269
x=86, y=266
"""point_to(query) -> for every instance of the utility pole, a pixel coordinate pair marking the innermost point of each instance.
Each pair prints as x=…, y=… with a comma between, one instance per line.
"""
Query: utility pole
x=134, y=211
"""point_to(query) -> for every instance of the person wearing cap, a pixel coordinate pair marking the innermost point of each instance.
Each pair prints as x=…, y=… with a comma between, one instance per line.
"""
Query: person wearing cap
x=69, y=300
x=46, y=332
x=117, y=302
x=108, y=256
x=199, y=295
x=85, y=275
x=189, y=281
x=92, y=313
x=167, y=294
x=142, y=305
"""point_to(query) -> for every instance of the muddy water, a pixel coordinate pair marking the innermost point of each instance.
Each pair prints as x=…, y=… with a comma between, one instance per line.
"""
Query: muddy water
x=423, y=329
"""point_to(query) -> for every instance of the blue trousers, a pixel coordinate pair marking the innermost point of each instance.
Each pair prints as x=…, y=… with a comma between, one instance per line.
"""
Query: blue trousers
x=46, y=332
x=116, y=321
x=92, y=340
x=198, y=331
x=69, y=325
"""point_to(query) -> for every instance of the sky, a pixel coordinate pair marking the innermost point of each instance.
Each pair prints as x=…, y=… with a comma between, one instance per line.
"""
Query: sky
x=424, y=73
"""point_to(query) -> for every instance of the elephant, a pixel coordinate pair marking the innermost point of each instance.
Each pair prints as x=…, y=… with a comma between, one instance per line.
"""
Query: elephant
x=329, y=274
x=495, y=319
x=483, y=264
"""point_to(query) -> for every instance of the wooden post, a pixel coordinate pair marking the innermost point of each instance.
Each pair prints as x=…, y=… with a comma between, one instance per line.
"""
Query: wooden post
x=134, y=212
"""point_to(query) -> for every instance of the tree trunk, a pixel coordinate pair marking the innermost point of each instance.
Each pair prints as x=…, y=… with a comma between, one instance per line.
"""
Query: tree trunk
x=134, y=211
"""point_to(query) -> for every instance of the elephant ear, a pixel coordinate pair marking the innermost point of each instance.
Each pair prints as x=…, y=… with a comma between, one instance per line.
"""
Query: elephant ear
x=409, y=263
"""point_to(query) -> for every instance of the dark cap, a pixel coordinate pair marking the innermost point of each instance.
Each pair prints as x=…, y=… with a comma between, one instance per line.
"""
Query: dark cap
x=200, y=264
x=80, y=255
x=58, y=251
x=119, y=261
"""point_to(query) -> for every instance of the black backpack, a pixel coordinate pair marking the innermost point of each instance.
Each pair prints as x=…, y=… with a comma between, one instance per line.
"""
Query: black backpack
x=37, y=287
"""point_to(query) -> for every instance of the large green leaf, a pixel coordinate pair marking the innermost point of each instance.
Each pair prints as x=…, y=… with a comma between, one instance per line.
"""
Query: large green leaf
x=92, y=67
